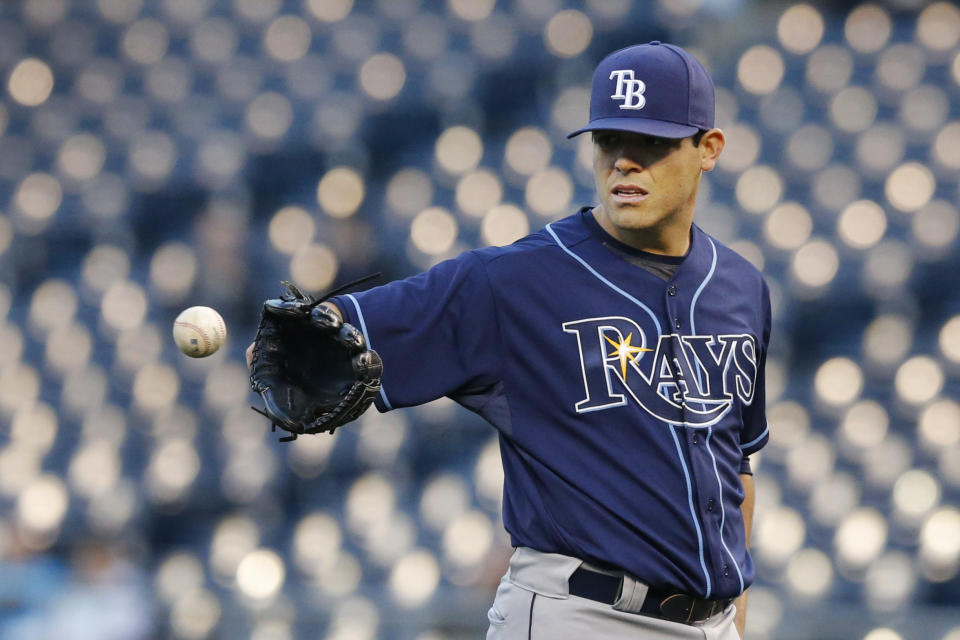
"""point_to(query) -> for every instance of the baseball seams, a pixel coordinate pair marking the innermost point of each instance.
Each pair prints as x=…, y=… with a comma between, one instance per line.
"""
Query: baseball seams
x=200, y=333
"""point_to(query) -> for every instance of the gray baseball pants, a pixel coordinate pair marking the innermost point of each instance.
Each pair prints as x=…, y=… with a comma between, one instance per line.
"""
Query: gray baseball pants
x=533, y=602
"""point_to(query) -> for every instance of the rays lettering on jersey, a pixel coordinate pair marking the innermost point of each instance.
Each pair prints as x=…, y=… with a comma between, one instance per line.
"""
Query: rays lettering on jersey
x=684, y=380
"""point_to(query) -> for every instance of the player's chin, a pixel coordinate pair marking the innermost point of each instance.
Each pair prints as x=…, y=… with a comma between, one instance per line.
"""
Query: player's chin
x=633, y=216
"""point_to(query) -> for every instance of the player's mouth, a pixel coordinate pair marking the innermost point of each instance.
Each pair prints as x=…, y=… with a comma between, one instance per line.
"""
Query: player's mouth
x=629, y=194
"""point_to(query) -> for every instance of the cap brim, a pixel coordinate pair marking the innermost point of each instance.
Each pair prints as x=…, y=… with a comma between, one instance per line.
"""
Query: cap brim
x=659, y=128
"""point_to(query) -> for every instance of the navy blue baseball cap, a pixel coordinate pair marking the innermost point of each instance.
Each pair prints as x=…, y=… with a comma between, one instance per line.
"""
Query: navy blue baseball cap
x=657, y=89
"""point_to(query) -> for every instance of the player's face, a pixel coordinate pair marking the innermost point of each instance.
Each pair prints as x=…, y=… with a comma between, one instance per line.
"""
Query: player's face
x=647, y=186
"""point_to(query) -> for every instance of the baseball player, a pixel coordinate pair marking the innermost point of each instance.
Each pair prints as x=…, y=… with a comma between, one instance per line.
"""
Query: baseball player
x=619, y=353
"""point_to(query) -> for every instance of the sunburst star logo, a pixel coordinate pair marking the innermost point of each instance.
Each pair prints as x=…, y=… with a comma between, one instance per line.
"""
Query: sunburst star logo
x=625, y=351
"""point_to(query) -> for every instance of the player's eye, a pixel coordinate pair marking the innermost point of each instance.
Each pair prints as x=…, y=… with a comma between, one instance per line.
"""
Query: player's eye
x=606, y=139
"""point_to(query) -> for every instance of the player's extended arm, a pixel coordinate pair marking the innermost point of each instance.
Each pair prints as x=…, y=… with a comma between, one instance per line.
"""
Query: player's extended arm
x=747, y=509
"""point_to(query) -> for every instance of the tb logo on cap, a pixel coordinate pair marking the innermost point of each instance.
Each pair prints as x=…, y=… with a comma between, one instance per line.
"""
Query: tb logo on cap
x=628, y=89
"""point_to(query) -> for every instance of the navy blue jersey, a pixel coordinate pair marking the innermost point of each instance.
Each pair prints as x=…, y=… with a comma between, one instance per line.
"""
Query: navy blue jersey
x=625, y=404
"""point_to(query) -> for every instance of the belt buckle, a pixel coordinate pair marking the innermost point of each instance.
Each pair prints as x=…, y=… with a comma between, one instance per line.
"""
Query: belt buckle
x=677, y=607
x=681, y=607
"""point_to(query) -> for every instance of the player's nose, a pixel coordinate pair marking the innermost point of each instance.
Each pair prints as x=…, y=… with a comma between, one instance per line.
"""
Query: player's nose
x=627, y=163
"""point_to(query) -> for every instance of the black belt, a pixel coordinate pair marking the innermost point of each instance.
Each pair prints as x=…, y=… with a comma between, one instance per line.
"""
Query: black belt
x=676, y=607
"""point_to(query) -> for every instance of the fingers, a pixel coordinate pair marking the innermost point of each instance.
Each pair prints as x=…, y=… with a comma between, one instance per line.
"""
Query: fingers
x=368, y=366
x=286, y=308
x=351, y=338
x=325, y=317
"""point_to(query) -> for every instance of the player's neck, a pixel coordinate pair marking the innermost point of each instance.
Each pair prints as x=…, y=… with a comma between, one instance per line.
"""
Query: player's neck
x=670, y=238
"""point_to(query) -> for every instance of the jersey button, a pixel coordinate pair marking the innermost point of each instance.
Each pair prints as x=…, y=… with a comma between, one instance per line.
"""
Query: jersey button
x=726, y=570
x=710, y=504
x=676, y=322
x=672, y=290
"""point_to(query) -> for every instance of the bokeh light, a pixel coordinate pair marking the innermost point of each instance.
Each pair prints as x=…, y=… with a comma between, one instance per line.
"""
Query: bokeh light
x=340, y=192
x=915, y=493
x=809, y=574
x=901, y=67
x=760, y=70
x=890, y=581
x=269, y=116
x=800, y=28
x=568, y=33
x=868, y=28
x=328, y=10
x=434, y=231
x=458, y=150
x=862, y=224
x=860, y=539
x=919, y=380
x=478, y=192
x=829, y=68
x=287, y=38
x=260, y=574
x=924, y=109
x=935, y=228
x=549, y=192
x=946, y=146
x=528, y=150
x=81, y=157
x=382, y=76
x=940, y=544
x=815, y=263
x=30, y=82
x=504, y=224
x=195, y=614
x=888, y=267
x=853, y=109
x=471, y=10
x=779, y=535
x=37, y=199
x=409, y=191
x=938, y=26
x=910, y=186
x=838, y=381
x=146, y=41
x=864, y=425
x=414, y=578
x=759, y=188
x=887, y=339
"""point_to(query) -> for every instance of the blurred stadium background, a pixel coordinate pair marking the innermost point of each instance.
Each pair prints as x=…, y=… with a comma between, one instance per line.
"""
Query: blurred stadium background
x=157, y=154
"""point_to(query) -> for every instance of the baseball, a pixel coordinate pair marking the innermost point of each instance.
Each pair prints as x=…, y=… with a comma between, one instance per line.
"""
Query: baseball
x=199, y=331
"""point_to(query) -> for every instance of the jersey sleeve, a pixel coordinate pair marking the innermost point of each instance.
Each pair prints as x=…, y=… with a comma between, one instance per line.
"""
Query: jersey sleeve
x=755, y=431
x=436, y=332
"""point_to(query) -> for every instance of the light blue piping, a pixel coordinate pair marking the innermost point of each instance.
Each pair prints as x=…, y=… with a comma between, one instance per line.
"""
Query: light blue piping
x=723, y=512
x=755, y=440
x=363, y=328
x=606, y=282
x=693, y=514
x=696, y=296
x=693, y=331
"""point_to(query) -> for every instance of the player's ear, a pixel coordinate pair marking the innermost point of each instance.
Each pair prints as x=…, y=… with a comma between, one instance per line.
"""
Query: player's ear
x=711, y=144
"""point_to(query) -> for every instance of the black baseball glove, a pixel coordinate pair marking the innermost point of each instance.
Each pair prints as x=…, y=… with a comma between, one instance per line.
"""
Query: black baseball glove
x=313, y=371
